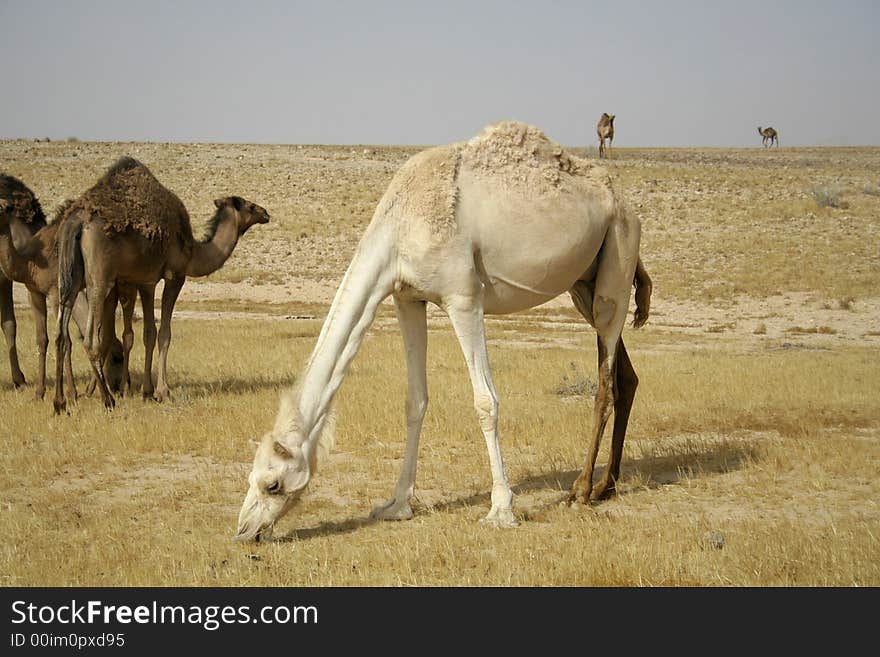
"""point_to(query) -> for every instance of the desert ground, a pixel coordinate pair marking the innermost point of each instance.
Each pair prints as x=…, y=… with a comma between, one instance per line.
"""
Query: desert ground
x=753, y=448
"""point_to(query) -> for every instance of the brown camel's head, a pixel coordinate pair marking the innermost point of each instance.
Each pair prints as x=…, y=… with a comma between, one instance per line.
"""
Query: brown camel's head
x=285, y=460
x=247, y=213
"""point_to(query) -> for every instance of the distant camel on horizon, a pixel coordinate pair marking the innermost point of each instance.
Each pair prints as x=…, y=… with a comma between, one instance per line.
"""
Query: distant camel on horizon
x=605, y=130
x=769, y=134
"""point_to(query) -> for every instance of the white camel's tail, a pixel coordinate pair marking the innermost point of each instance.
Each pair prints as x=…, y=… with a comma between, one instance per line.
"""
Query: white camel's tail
x=643, y=286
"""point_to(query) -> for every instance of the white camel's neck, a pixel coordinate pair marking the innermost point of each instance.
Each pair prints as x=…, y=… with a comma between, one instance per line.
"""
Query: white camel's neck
x=367, y=282
x=209, y=256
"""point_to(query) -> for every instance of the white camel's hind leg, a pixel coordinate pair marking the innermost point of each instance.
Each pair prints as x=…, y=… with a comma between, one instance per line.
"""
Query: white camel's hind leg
x=412, y=317
x=466, y=314
x=605, y=306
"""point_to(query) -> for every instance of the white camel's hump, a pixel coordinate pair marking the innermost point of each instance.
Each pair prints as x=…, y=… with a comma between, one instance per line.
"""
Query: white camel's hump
x=512, y=202
x=521, y=155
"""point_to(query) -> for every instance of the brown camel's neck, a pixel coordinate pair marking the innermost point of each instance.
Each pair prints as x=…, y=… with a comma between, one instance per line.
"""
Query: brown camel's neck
x=210, y=255
x=14, y=265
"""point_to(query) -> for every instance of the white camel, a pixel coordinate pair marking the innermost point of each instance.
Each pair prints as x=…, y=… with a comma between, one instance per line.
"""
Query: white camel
x=499, y=224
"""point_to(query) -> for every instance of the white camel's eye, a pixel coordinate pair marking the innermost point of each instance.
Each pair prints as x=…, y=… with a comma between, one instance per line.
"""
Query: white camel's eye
x=274, y=488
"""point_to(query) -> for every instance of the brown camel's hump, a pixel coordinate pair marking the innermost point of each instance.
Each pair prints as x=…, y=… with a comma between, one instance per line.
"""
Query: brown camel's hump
x=129, y=197
x=25, y=206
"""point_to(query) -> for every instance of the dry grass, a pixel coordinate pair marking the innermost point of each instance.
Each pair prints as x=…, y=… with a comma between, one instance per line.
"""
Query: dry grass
x=148, y=494
x=737, y=432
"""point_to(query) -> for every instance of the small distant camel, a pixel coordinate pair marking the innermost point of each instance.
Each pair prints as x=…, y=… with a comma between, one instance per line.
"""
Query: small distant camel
x=130, y=231
x=605, y=130
x=769, y=135
x=457, y=227
x=35, y=264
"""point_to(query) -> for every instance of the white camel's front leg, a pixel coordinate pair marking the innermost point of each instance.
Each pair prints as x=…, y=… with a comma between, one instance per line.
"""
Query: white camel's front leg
x=412, y=317
x=466, y=314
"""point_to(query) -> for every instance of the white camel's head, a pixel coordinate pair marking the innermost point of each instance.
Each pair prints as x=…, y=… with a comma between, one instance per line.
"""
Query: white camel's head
x=285, y=460
x=280, y=474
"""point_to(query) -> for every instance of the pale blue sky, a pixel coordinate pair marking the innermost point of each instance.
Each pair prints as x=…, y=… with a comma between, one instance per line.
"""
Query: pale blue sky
x=414, y=72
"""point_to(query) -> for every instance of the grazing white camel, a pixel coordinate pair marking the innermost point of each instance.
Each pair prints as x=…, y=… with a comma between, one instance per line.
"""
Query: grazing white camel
x=499, y=224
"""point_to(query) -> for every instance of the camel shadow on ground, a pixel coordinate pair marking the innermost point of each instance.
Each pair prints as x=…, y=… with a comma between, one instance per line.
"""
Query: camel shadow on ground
x=651, y=472
x=194, y=390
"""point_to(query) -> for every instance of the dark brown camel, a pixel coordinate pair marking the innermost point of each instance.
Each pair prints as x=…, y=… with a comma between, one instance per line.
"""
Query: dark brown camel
x=768, y=136
x=130, y=231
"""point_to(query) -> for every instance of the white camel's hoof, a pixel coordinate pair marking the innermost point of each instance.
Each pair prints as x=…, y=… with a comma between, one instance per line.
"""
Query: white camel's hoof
x=500, y=518
x=392, y=510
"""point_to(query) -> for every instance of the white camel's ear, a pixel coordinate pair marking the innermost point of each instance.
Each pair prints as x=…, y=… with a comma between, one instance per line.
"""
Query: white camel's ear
x=298, y=476
x=281, y=450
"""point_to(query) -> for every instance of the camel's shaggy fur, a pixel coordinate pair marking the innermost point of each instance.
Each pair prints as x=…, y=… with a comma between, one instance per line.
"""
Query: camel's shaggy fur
x=522, y=156
x=24, y=205
x=425, y=189
x=128, y=197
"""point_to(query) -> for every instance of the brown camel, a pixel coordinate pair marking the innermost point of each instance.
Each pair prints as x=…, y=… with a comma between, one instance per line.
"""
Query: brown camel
x=34, y=263
x=130, y=231
x=24, y=217
x=768, y=135
x=605, y=130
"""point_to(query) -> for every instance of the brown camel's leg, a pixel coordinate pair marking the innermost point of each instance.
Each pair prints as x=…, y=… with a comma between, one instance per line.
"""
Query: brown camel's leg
x=127, y=297
x=108, y=323
x=148, y=295
x=99, y=298
x=7, y=319
x=62, y=348
x=69, y=383
x=169, y=298
x=38, y=306
x=625, y=384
